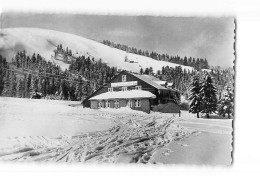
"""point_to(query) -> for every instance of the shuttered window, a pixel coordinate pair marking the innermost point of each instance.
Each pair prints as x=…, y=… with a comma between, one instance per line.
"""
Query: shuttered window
x=138, y=103
x=107, y=104
x=130, y=103
x=116, y=104
x=123, y=78
x=99, y=104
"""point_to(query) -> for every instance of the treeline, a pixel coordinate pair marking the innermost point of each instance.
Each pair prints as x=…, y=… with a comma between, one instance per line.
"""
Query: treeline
x=25, y=75
x=181, y=78
x=222, y=78
x=3, y=67
x=197, y=63
x=178, y=76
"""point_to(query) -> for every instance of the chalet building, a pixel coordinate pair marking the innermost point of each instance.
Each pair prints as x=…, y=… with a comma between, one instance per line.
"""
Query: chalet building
x=137, y=91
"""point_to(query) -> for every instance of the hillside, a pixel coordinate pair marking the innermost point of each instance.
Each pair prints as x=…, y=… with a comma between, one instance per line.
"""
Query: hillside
x=44, y=41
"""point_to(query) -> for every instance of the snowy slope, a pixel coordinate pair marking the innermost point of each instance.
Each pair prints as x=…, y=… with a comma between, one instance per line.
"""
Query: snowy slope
x=44, y=41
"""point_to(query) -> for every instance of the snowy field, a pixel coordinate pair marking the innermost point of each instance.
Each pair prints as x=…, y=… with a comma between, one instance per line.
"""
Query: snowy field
x=24, y=117
x=62, y=131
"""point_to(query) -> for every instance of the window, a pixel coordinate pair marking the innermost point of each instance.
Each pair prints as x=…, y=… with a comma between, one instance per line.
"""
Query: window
x=99, y=104
x=110, y=89
x=124, y=88
x=138, y=103
x=116, y=104
x=123, y=78
x=138, y=87
x=130, y=103
x=107, y=104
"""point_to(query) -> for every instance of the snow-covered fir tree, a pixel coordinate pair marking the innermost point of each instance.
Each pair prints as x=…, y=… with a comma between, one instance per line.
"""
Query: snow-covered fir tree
x=195, y=97
x=78, y=92
x=208, y=96
x=226, y=103
x=19, y=88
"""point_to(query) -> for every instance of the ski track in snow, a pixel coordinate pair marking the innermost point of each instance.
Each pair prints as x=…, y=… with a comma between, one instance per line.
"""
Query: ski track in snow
x=133, y=136
x=136, y=140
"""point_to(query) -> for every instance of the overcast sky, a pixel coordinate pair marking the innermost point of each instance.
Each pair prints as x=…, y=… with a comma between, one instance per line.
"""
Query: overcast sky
x=210, y=38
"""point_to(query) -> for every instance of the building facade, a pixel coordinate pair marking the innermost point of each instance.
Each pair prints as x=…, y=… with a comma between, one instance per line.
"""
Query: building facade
x=137, y=91
x=141, y=104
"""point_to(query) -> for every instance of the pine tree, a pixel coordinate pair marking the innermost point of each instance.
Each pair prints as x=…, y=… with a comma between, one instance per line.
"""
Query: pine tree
x=208, y=95
x=146, y=71
x=28, y=84
x=2, y=77
x=185, y=61
x=40, y=87
x=33, y=84
x=3, y=64
x=195, y=96
x=19, y=88
x=163, y=70
x=126, y=59
x=78, y=92
x=63, y=91
x=13, y=83
x=6, y=90
x=206, y=65
x=226, y=103
x=141, y=71
x=151, y=71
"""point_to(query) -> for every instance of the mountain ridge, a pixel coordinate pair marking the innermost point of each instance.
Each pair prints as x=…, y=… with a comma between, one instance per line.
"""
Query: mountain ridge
x=44, y=41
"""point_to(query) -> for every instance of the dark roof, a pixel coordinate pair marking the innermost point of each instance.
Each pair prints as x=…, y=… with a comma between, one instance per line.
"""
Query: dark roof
x=149, y=80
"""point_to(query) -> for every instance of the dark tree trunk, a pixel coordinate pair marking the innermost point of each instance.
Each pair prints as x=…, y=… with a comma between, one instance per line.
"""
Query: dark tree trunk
x=198, y=115
x=208, y=116
x=228, y=115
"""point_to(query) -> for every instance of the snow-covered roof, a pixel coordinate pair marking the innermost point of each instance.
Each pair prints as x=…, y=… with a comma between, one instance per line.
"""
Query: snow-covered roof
x=150, y=80
x=169, y=84
x=124, y=95
x=160, y=82
x=207, y=70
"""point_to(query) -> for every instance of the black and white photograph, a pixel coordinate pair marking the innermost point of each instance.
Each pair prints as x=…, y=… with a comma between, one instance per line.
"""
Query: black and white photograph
x=116, y=89
x=129, y=87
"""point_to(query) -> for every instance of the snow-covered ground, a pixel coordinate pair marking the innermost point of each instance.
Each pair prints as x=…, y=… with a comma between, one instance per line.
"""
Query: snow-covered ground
x=62, y=131
x=24, y=117
x=43, y=41
x=211, y=145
